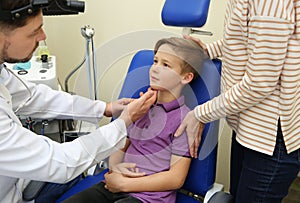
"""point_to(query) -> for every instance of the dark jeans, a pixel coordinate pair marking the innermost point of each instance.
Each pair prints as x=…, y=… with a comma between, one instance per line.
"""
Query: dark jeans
x=52, y=191
x=260, y=178
x=97, y=193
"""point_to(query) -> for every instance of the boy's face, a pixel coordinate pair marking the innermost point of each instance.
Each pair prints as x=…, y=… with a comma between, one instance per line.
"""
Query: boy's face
x=166, y=71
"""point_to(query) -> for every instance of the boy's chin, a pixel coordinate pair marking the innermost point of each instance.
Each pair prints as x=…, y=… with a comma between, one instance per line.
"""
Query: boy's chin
x=154, y=88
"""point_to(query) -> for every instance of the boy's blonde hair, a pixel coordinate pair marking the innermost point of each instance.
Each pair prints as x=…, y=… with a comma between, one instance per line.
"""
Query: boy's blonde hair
x=188, y=51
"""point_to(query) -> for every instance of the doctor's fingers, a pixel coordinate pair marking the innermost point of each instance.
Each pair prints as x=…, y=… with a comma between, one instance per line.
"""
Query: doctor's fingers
x=124, y=101
x=140, y=106
x=115, y=108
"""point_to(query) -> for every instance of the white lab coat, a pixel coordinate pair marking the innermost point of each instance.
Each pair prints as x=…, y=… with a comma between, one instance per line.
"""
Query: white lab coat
x=26, y=156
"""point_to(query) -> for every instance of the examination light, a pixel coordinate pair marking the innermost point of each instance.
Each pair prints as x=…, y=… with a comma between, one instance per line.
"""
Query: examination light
x=64, y=7
x=50, y=7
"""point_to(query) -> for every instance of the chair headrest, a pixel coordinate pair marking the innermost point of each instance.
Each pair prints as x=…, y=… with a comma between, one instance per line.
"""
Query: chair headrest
x=183, y=13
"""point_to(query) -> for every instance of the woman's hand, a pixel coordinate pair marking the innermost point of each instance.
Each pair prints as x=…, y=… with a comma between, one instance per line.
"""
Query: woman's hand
x=194, y=129
x=199, y=42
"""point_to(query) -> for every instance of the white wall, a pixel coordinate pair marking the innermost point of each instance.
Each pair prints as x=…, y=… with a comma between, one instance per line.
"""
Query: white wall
x=117, y=23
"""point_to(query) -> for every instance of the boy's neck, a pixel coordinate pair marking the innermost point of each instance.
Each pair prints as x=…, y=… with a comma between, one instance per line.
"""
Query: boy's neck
x=166, y=97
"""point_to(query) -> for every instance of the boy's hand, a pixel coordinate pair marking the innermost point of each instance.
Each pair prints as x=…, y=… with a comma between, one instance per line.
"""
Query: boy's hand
x=118, y=177
x=115, y=182
x=127, y=169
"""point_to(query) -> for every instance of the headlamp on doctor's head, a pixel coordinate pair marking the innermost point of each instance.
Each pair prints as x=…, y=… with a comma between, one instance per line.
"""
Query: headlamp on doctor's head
x=49, y=7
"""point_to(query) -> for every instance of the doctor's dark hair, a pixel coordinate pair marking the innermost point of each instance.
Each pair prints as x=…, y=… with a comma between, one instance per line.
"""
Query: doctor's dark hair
x=188, y=51
x=10, y=24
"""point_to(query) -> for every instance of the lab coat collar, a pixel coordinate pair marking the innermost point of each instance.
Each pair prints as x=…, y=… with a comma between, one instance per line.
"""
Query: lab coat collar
x=1, y=67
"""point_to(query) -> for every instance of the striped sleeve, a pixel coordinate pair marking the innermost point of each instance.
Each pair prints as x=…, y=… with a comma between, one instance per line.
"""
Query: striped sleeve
x=258, y=58
x=215, y=49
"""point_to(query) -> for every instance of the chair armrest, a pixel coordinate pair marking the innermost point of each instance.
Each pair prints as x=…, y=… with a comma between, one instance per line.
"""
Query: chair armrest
x=212, y=191
x=32, y=190
x=221, y=197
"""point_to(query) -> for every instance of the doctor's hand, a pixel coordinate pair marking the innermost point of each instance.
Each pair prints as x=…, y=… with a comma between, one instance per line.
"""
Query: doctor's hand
x=138, y=107
x=115, y=108
x=127, y=169
x=194, y=129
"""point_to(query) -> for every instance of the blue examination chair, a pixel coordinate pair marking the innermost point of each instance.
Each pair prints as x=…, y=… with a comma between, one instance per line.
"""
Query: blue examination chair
x=200, y=183
x=201, y=176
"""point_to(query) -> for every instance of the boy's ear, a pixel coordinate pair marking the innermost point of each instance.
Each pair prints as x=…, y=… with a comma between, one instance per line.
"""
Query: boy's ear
x=188, y=77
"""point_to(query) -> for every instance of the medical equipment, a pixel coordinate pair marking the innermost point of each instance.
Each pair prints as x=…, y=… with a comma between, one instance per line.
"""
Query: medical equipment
x=88, y=33
x=50, y=7
x=39, y=70
x=64, y=7
x=73, y=129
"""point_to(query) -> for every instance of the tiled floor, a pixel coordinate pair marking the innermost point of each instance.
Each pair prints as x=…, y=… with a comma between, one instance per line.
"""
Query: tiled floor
x=294, y=192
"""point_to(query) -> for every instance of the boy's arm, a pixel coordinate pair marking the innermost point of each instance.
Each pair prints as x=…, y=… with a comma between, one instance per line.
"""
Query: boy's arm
x=126, y=169
x=162, y=181
x=117, y=156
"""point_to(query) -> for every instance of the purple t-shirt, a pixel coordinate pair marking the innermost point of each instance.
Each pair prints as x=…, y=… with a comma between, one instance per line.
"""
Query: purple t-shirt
x=153, y=142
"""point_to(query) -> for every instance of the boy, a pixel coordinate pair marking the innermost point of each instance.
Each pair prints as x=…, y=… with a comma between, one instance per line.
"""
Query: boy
x=162, y=159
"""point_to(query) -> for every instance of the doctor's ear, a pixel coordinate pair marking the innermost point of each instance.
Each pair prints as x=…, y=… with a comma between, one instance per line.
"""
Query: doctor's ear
x=187, y=78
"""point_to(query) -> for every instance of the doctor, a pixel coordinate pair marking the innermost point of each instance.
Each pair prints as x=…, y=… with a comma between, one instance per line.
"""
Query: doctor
x=26, y=156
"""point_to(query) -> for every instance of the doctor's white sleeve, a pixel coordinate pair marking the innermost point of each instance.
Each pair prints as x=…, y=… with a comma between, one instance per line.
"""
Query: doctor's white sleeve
x=29, y=156
x=46, y=103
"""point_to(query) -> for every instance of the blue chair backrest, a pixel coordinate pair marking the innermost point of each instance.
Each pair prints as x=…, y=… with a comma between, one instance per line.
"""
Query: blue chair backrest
x=185, y=13
x=201, y=175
